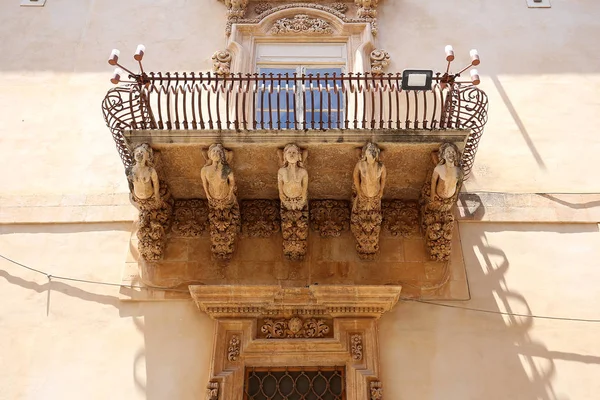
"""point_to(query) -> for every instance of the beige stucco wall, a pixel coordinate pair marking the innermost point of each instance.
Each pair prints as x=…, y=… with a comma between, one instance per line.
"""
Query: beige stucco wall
x=542, y=73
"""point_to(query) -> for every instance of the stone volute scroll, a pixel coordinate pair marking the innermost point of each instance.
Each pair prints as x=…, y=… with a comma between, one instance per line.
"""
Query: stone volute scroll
x=368, y=185
x=222, y=62
x=292, y=182
x=438, y=196
x=153, y=200
x=224, y=212
x=379, y=60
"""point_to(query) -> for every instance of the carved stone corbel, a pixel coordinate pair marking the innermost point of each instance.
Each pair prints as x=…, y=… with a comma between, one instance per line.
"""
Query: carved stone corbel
x=379, y=60
x=153, y=200
x=223, y=209
x=366, y=8
x=222, y=62
x=369, y=181
x=292, y=182
x=438, y=196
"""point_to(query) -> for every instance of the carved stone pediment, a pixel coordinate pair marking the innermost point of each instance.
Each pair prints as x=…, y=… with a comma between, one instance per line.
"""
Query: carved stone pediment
x=301, y=24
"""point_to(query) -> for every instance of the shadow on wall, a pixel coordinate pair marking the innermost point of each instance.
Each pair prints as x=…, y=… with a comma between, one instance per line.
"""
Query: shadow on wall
x=173, y=362
x=459, y=354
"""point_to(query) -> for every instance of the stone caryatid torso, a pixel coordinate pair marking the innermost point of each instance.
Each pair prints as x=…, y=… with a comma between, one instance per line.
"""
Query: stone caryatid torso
x=143, y=178
x=217, y=178
x=292, y=179
x=369, y=179
x=447, y=175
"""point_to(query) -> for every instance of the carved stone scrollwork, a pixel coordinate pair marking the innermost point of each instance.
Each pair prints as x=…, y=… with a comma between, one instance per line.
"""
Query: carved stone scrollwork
x=329, y=217
x=262, y=7
x=376, y=390
x=401, y=218
x=369, y=181
x=292, y=181
x=224, y=212
x=260, y=218
x=233, y=351
x=294, y=327
x=222, y=62
x=356, y=347
x=236, y=8
x=212, y=391
x=301, y=24
x=153, y=200
x=366, y=8
x=438, y=196
x=379, y=60
x=340, y=7
x=190, y=218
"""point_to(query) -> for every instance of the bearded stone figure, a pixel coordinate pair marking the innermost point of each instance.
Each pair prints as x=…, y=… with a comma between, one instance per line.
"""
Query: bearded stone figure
x=438, y=196
x=292, y=181
x=224, y=212
x=152, y=199
x=368, y=185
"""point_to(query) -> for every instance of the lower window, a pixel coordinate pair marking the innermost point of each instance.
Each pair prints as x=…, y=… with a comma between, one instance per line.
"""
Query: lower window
x=295, y=383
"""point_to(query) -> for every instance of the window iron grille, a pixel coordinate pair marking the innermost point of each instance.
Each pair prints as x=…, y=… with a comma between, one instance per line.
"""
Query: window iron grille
x=295, y=383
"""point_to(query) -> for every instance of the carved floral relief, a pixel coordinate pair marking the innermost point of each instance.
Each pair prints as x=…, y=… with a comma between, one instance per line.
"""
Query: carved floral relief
x=376, y=390
x=233, y=350
x=401, y=218
x=190, y=218
x=222, y=62
x=301, y=24
x=330, y=217
x=212, y=391
x=356, y=347
x=260, y=218
x=295, y=327
x=379, y=60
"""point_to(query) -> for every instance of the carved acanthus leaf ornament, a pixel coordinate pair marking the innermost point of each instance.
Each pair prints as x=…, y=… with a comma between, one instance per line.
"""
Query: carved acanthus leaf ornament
x=190, y=218
x=260, y=218
x=301, y=24
x=330, y=217
x=233, y=351
x=294, y=327
x=400, y=217
x=356, y=347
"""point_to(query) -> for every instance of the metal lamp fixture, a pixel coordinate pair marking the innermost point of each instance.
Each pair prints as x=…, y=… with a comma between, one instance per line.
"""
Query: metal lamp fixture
x=140, y=78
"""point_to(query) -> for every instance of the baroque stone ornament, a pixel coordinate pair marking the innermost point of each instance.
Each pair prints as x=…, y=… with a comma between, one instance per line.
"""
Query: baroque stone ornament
x=212, y=391
x=356, y=347
x=368, y=184
x=236, y=8
x=340, y=7
x=260, y=218
x=329, y=217
x=401, y=218
x=222, y=62
x=376, y=390
x=438, y=196
x=379, y=60
x=190, y=218
x=262, y=7
x=153, y=200
x=233, y=351
x=294, y=327
x=366, y=8
x=292, y=182
x=301, y=24
x=223, y=209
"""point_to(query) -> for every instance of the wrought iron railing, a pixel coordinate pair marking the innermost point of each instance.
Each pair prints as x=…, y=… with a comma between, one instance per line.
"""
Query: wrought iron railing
x=291, y=102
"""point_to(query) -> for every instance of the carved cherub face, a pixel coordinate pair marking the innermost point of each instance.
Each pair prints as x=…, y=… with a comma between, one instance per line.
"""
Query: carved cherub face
x=142, y=154
x=292, y=154
x=371, y=152
x=216, y=153
x=449, y=155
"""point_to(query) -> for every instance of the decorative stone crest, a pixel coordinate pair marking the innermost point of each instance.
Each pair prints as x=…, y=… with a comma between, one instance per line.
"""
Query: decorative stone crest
x=262, y=7
x=153, y=200
x=292, y=182
x=233, y=351
x=222, y=62
x=301, y=24
x=260, y=218
x=190, y=218
x=368, y=184
x=356, y=347
x=294, y=327
x=438, y=196
x=330, y=217
x=212, y=391
x=376, y=390
x=400, y=217
x=224, y=212
x=366, y=8
x=379, y=60
x=236, y=8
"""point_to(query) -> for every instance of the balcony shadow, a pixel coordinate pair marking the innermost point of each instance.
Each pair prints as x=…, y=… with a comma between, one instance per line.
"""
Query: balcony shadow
x=576, y=206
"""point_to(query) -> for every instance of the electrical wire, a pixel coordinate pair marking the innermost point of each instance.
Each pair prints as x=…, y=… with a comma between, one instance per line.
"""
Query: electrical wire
x=406, y=299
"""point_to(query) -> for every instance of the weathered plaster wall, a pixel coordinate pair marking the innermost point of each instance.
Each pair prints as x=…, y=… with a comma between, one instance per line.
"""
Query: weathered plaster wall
x=81, y=340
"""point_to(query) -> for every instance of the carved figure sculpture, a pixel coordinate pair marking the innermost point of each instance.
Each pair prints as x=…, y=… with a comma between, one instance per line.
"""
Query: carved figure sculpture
x=366, y=8
x=153, y=201
x=236, y=8
x=224, y=211
x=222, y=62
x=292, y=181
x=379, y=60
x=438, y=196
x=369, y=181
